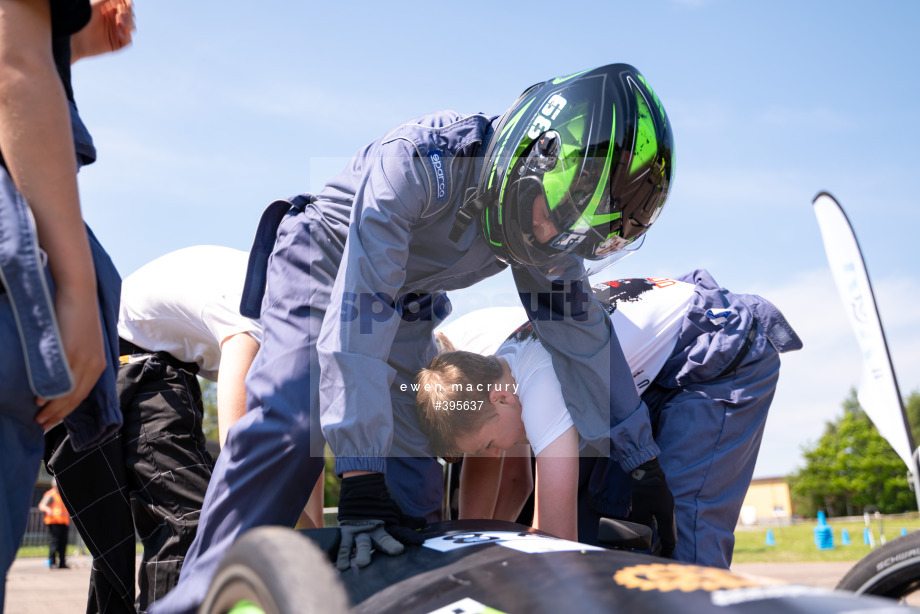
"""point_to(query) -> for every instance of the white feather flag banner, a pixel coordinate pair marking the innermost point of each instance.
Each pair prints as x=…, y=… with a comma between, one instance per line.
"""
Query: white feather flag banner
x=878, y=392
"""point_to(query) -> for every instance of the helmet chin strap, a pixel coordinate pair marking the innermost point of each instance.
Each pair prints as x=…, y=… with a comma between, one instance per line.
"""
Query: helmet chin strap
x=473, y=201
x=472, y=206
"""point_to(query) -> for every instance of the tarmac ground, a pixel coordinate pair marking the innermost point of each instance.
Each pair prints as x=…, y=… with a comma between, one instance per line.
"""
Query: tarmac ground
x=33, y=588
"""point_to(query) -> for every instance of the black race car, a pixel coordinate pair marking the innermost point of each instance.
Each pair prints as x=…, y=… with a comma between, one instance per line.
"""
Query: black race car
x=468, y=567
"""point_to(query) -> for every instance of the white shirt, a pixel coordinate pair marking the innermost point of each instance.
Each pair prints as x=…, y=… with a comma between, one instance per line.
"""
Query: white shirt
x=647, y=320
x=543, y=409
x=484, y=330
x=187, y=303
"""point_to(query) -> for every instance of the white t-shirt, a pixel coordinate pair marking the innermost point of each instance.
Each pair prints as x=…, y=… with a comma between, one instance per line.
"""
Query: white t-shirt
x=187, y=303
x=484, y=330
x=543, y=409
x=647, y=320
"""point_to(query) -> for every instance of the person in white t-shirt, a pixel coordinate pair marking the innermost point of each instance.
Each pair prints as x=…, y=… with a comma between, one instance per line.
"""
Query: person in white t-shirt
x=510, y=394
x=179, y=318
x=694, y=350
x=187, y=304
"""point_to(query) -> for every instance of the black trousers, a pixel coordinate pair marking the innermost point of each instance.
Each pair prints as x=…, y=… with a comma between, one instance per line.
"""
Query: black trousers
x=57, y=544
x=150, y=479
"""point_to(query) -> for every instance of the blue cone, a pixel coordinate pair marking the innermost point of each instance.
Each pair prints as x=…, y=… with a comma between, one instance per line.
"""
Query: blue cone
x=824, y=536
x=844, y=537
x=771, y=541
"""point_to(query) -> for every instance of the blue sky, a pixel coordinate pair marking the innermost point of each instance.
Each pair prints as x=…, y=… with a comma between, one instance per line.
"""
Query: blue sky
x=213, y=113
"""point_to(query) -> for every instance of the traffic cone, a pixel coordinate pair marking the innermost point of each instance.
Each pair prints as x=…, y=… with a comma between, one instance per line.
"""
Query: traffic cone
x=824, y=536
x=844, y=537
x=771, y=541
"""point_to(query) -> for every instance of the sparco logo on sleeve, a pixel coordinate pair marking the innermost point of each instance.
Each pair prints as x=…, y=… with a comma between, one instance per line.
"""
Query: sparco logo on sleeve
x=437, y=165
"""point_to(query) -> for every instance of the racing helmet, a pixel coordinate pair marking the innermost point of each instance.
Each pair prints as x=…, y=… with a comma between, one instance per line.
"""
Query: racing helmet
x=579, y=164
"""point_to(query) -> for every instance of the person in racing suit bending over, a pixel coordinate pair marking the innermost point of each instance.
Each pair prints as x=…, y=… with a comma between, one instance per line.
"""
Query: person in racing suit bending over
x=573, y=174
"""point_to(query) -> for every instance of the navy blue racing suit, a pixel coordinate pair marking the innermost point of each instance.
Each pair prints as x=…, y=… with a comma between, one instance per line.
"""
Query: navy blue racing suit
x=708, y=407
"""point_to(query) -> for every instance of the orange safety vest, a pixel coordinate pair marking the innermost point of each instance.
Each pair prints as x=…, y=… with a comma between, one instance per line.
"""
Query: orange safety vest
x=58, y=513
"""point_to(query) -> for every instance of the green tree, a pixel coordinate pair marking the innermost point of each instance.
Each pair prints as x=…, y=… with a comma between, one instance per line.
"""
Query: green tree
x=852, y=466
x=332, y=483
x=912, y=408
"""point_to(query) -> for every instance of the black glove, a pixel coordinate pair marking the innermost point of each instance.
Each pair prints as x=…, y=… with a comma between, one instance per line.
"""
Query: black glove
x=368, y=515
x=653, y=503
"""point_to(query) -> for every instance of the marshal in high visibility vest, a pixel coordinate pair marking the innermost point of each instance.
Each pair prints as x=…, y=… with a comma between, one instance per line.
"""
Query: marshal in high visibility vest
x=58, y=521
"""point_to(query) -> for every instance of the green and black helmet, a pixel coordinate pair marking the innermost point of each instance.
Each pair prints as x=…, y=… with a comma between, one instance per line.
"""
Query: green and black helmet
x=579, y=164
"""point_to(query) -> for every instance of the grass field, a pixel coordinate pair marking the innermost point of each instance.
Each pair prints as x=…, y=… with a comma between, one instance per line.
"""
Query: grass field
x=36, y=551
x=796, y=543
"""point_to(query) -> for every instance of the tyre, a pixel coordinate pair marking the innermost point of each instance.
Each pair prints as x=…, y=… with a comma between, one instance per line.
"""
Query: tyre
x=892, y=570
x=275, y=570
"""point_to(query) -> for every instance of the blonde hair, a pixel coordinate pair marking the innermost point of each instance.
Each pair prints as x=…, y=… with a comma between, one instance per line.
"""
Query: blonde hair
x=452, y=377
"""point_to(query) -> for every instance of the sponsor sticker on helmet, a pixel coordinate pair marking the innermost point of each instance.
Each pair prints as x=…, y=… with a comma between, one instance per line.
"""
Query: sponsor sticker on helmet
x=544, y=121
x=567, y=240
x=614, y=243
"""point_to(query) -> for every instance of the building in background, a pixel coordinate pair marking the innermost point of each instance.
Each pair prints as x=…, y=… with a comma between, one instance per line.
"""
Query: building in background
x=767, y=502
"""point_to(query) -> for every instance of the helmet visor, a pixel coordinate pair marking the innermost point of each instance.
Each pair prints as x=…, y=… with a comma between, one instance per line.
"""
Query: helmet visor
x=544, y=207
x=534, y=234
x=593, y=267
x=567, y=269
